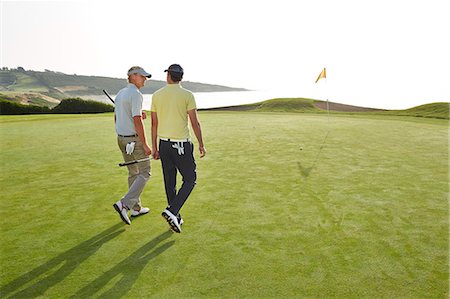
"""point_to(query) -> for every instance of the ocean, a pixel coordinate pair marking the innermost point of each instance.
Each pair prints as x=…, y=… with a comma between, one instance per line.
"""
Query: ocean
x=208, y=99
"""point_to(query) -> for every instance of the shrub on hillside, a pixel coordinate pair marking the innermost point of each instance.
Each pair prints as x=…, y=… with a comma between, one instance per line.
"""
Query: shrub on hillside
x=12, y=108
x=77, y=105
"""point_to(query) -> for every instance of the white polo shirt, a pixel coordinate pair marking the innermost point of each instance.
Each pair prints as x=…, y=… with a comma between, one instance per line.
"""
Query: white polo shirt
x=128, y=103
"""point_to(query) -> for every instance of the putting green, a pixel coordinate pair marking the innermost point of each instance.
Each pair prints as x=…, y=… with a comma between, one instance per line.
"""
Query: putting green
x=286, y=205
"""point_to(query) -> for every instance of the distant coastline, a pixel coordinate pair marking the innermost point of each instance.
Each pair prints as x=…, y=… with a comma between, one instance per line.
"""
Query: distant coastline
x=48, y=88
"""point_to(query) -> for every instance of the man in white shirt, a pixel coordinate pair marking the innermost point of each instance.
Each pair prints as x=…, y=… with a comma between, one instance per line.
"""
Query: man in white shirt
x=128, y=117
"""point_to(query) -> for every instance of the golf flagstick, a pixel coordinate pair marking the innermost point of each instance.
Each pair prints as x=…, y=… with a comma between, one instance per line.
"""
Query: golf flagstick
x=323, y=75
x=109, y=97
x=328, y=103
x=133, y=162
x=328, y=106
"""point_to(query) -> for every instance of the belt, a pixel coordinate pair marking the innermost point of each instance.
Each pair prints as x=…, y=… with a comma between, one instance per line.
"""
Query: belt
x=135, y=135
x=175, y=140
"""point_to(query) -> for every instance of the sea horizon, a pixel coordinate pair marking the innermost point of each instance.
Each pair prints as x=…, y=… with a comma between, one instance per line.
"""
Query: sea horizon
x=206, y=100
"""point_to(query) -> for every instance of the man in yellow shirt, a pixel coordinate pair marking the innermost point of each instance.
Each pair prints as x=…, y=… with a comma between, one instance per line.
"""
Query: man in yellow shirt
x=172, y=105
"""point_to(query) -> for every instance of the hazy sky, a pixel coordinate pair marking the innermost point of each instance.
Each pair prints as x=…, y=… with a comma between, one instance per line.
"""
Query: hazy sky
x=378, y=53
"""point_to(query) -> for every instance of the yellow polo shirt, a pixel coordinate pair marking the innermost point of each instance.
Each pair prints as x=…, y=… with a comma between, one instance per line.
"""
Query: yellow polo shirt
x=171, y=104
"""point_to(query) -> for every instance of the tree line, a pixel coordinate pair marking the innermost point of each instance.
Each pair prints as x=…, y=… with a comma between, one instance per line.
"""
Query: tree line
x=66, y=106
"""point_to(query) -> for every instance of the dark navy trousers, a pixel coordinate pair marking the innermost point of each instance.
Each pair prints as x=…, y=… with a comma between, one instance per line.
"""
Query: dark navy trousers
x=177, y=157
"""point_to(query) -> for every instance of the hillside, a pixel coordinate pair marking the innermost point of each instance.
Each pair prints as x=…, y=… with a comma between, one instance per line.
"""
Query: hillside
x=302, y=105
x=48, y=88
x=435, y=110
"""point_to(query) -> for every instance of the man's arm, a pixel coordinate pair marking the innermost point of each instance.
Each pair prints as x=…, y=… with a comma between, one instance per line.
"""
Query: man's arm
x=139, y=126
x=155, y=135
x=197, y=130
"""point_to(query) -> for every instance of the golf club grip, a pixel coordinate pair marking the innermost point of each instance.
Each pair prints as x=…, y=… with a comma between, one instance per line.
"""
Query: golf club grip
x=109, y=97
x=133, y=162
x=128, y=163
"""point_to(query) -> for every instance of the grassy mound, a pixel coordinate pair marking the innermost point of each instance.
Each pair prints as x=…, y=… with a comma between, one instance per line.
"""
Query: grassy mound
x=288, y=105
x=303, y=105
x=275, y=105
x=433, y=110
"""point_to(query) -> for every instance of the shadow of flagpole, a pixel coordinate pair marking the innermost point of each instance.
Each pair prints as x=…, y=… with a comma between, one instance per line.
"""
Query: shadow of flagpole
x=305, y=172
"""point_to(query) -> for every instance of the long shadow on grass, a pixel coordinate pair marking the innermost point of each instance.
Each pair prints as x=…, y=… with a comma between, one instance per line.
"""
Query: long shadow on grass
x=129, y=269
x=59, y=267
x=306, y=171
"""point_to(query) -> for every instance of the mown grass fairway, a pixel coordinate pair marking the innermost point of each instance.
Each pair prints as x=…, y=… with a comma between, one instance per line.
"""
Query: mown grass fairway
x=282, y=209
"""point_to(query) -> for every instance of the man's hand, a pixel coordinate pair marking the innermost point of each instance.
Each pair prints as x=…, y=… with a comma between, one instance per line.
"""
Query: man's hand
x=144, y=115
x=147, y=150
x=155, y=155
x=197, y=130
x=202, y=151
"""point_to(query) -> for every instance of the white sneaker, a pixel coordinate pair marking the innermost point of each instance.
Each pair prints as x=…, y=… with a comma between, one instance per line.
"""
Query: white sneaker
x=142, y=211
x=172, y=220
x=123, y=212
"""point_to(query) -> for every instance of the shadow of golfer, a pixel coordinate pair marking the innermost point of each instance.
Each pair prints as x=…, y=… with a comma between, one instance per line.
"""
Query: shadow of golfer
x=67, y=262
x=129, y=269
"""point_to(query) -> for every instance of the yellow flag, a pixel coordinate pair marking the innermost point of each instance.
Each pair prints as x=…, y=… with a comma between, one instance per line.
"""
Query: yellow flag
x=323, y=74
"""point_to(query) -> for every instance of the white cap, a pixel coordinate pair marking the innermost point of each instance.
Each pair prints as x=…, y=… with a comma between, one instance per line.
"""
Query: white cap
x=138, y=70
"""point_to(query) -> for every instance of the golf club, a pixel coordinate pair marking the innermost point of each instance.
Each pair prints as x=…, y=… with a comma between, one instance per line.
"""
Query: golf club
x=109, y=97
x=133, y=162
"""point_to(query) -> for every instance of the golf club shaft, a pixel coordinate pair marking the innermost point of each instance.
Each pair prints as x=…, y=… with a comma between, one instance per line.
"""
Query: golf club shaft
x=133, y=162
x=109, y=97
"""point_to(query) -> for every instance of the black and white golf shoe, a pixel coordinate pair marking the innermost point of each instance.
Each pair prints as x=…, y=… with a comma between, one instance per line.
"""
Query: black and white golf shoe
x=180, y=220
x=142, y=211
x=123, y=212
x=171, y=220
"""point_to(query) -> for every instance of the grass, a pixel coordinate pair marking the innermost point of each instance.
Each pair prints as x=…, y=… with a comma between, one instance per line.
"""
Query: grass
x=28, y=83
x=286, y=205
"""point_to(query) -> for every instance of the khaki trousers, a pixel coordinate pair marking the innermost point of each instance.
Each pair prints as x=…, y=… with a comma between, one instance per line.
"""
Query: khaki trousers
x=138, y=174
